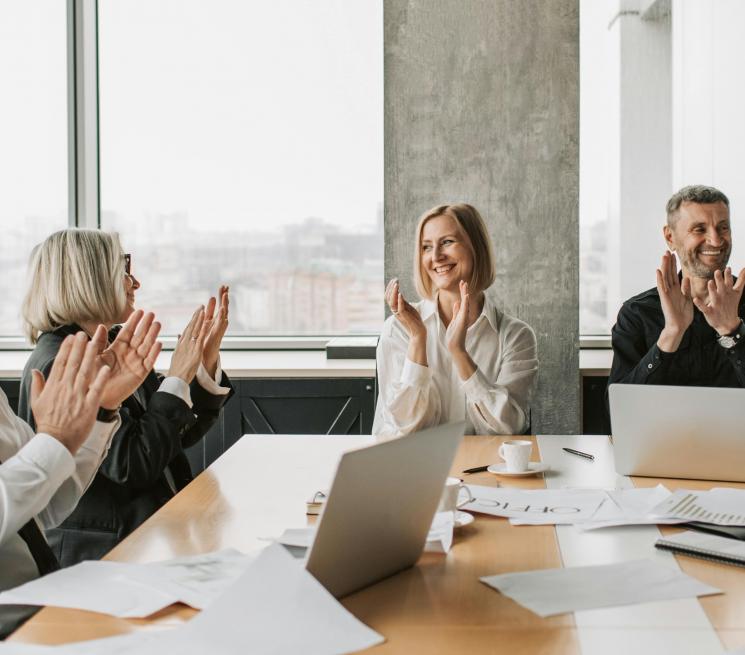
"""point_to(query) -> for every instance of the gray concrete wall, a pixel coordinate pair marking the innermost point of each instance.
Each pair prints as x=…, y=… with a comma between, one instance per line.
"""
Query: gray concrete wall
x=482, y=106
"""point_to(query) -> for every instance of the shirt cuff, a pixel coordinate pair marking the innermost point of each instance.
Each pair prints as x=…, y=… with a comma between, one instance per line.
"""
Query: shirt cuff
x=99, y=439
x=208, y=384
x=476, y=387
x=177, y=387
x=415, y=375
x=51, y=456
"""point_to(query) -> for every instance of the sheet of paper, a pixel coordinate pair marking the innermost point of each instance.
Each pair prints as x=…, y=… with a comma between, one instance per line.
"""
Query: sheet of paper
x=628, y=507
x=719, y=506
x=440, y=537
x=133, y=590
x=297, y=537
x=275, y=607
x=536, y=506
x=556, y=591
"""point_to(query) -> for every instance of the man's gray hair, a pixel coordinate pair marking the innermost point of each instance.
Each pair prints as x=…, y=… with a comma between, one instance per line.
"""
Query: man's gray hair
x=698, y=193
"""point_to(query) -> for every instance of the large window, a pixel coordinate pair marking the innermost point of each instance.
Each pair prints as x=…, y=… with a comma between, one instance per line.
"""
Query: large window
x=33, y=139
x=659, y=99
x=242, y=142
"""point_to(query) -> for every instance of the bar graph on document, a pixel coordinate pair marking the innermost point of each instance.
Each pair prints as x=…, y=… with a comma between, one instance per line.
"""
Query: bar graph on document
x=718, y=506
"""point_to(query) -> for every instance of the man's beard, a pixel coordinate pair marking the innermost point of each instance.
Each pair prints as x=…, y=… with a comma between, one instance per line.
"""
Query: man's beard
x=696, y=268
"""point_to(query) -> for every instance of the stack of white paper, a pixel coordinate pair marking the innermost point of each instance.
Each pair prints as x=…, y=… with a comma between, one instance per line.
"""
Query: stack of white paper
x=556, y=591
x=439, y=538
x=275, y=607
x=134, y=590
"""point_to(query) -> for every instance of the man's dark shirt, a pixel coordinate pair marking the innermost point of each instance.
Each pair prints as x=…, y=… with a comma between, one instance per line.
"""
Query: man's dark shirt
x=699, y=361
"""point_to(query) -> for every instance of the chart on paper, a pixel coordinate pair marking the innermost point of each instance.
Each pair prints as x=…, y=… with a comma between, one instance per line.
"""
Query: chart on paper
x=718, y=506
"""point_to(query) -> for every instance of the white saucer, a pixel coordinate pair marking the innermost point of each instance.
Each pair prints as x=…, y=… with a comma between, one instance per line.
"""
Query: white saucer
x=533, y=469
x=462, y=518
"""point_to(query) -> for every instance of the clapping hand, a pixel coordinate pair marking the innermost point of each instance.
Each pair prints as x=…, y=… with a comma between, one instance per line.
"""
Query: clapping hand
x=721, y=310
x=190, y=348
x=131, y=356
x=410, y=319
x=66, y=404
x=676, y=301
x=456, y=333
x=404, y=312
x=459, y=325
x=216, y=326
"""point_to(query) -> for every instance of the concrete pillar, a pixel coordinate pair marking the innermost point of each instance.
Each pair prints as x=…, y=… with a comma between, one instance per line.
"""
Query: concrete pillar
x=481, y=105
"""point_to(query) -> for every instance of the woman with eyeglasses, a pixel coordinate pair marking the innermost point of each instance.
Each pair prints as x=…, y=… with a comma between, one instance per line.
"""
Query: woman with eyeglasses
x=455, y=355
x=77, y=279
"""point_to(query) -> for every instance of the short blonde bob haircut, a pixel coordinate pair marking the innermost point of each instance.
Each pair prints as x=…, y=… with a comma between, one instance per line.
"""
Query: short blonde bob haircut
x=476, y=235
x=74, y=276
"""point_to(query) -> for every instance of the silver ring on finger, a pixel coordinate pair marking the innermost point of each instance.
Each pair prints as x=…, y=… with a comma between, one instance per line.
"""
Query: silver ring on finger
x=394, y=311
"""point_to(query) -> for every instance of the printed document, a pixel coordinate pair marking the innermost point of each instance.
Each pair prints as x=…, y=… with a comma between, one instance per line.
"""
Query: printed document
x=536, y=506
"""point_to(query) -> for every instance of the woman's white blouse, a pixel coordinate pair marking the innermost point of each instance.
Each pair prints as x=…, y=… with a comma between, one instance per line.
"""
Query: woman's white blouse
x=494, y=400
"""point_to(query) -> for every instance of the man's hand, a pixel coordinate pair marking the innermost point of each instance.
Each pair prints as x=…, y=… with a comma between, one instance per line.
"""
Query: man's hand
x=411, y=321
x=677, y=305
x=130, y=357
x=721, y=310
x=216, y=326
x=65, y=406
x=190, y=347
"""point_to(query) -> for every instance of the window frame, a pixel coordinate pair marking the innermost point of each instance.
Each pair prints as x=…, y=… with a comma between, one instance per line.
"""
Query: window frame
x=84, y=207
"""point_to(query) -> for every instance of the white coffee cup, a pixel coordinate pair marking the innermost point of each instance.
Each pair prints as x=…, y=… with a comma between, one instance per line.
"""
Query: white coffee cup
x=450, y=499
x=516, y=455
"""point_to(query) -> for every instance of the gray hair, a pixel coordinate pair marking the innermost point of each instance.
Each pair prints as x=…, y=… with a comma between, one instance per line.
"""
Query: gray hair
x=698, y=193
x=74, y=276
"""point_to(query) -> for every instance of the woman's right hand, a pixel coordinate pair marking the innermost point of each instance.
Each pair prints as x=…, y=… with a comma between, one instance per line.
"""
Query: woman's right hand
x=187, y=355
x=65, y=405
x=411, y=321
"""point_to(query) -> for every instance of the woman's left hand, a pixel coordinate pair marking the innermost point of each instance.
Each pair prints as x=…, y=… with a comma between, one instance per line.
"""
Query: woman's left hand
x=217, y=325
x=131, y=356
x=457, y=333
x=459, y=325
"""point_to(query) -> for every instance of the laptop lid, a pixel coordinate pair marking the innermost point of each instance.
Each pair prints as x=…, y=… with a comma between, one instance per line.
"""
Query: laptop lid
x=678, y=432
x=380, y=507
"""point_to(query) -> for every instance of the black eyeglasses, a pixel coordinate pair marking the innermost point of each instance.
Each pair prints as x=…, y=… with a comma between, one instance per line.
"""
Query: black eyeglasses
x=128, y=264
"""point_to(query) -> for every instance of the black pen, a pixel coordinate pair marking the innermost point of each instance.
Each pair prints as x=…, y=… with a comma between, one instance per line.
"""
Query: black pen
x=580, y=453
x=477, y=469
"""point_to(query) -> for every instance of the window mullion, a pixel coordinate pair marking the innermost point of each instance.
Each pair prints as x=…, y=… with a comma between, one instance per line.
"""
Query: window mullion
x=82, y=48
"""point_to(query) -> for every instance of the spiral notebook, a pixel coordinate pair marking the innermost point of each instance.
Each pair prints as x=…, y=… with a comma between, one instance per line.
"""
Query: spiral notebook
x=705, y=546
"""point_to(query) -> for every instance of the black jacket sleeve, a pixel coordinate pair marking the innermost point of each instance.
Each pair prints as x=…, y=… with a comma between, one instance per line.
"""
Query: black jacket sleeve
x=207, y=408
x=635, y=359
x=148, y=439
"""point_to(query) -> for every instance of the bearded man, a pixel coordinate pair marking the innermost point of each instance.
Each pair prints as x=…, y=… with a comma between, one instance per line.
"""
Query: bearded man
x=688, y=330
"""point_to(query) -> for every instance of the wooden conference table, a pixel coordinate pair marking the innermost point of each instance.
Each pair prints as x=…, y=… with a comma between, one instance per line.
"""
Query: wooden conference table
x=259, y=488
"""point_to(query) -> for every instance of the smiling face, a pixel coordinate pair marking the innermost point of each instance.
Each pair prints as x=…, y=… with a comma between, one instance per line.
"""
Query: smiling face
x=446, y=253
x=701, y=238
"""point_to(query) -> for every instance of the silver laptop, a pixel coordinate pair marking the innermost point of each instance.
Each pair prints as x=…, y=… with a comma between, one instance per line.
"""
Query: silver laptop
x=678, y=432
x=380, y=508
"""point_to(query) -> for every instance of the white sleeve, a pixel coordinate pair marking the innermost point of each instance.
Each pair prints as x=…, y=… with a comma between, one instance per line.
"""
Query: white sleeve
x=408, y=399
x=86, y=460
x=502, y=405
x=29, y=479
x=177, y=387
x=210, y=384
x=39, y=476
